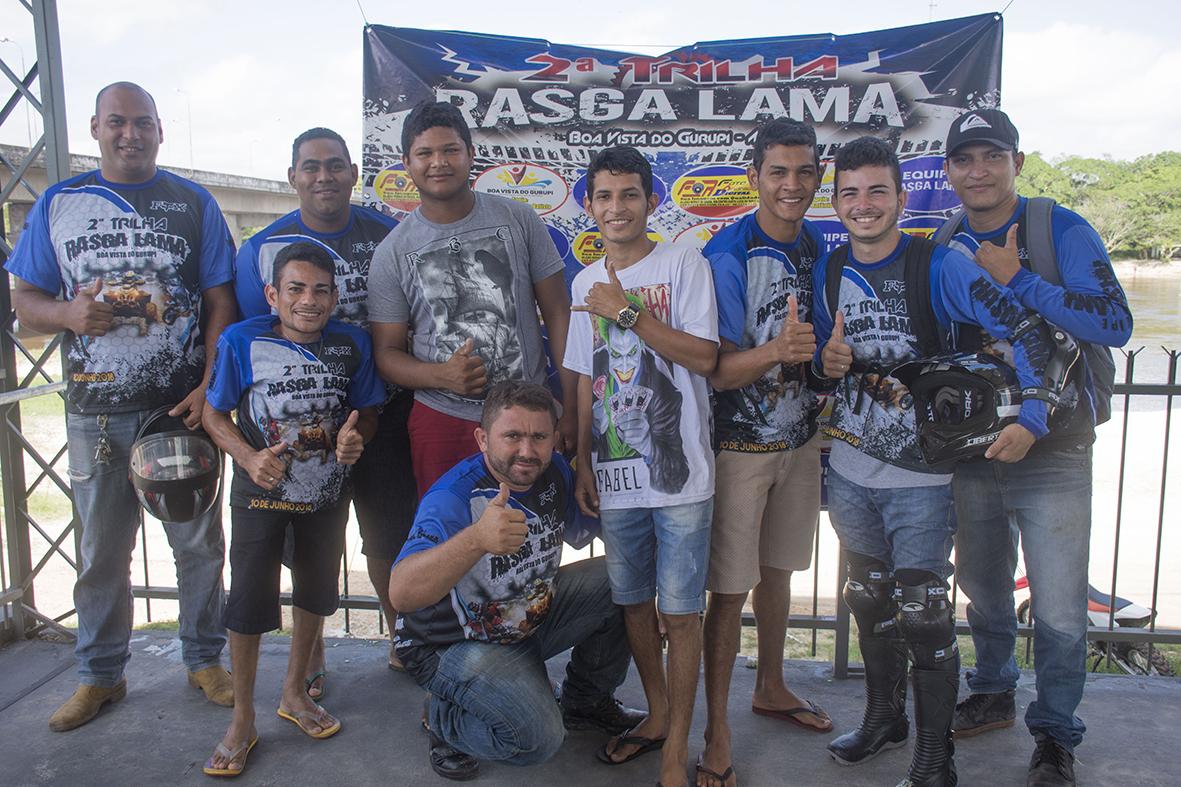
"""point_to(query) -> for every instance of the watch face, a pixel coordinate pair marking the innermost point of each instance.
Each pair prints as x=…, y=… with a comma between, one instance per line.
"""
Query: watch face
x=627, y=317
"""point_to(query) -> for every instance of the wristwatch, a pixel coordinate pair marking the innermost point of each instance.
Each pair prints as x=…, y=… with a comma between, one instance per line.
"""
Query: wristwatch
x=628, y=316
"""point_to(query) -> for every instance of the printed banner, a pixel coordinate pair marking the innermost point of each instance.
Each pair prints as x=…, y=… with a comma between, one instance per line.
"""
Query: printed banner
x=539, y=111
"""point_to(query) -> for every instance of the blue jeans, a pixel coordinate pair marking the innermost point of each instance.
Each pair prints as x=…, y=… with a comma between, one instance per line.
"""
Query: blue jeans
x=495, y=702
x=110, y=516
x=660, y=553
x=1046, y=498
x=903, y=527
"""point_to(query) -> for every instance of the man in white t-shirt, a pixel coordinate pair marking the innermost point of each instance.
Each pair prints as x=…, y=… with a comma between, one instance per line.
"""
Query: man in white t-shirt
x=643, y=350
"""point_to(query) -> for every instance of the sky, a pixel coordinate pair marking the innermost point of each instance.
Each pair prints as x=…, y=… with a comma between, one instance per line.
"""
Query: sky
x=235, y=82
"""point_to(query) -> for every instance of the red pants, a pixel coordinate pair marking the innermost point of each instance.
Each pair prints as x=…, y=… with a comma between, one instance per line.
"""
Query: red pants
x=438, y=442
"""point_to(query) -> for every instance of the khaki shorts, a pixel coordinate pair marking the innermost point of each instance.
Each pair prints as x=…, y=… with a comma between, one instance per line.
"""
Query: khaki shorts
x=765, y=510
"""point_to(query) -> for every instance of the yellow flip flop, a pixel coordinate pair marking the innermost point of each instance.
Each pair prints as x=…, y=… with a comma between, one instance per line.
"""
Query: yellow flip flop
x=242, y=750
x=303, y=719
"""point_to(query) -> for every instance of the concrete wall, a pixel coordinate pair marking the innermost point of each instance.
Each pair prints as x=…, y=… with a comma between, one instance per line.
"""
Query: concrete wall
x=244, y=201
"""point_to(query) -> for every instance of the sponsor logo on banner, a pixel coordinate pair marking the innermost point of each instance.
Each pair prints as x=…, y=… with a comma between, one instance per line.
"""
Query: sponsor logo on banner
x=395, y=188
x=700, y=234
x=715, y=192
x=588, y=245
x=822, y=207
x=538, y=187
x=922, y=226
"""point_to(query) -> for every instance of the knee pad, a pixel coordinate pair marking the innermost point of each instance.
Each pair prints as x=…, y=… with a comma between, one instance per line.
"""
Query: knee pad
x=926, y=619
x=869, y=592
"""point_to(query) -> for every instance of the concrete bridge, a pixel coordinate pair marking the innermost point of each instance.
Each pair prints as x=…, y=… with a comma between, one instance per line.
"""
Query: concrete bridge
x=245, y=202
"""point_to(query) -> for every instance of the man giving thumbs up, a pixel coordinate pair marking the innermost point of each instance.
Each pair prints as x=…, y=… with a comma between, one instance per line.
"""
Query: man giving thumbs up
x=490, y=604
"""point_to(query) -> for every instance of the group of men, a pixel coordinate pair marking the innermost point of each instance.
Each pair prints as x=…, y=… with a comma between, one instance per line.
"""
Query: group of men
x=690, y=385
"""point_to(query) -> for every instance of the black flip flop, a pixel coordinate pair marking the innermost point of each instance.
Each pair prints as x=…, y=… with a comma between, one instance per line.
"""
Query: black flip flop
x=646, y=745
x=721, y=777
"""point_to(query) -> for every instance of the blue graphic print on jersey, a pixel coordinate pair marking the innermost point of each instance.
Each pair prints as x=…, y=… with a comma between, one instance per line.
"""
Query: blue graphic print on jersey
x=872, y=411
x=299, y=394
x=753, y=277
x=502, y=598
x=1090, y=304
x=156, y=246
x=351, y=251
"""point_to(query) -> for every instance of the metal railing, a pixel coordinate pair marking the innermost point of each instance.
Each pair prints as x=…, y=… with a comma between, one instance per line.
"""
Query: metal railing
x=27, y=536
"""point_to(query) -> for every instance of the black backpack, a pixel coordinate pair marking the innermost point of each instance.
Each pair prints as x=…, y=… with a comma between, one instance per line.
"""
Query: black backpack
x=1036, y=234
x=917, y=275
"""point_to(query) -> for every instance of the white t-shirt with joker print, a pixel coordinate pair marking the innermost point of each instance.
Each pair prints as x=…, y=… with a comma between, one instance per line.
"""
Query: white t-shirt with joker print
x=651, y=424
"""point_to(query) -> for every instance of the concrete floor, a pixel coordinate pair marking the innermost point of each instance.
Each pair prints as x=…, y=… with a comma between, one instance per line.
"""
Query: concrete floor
x=163, y=731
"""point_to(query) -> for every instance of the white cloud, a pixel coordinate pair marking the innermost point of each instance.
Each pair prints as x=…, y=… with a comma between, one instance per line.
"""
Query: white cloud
x=1081, y=89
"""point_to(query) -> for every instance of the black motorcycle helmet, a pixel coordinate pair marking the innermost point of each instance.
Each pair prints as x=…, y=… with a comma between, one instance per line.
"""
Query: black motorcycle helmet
x=176, y=472
x=962, y=401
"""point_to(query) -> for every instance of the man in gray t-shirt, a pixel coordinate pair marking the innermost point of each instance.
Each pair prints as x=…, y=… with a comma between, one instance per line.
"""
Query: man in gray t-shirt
x=464, y=275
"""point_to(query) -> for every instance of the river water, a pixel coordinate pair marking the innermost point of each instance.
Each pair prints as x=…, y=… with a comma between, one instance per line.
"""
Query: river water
x=1155, y=300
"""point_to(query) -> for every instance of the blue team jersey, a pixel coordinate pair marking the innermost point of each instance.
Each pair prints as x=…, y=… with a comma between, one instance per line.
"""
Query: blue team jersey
x=753, y=277
x=156, y=246
x=299, y=394
x=502, y=598
x=1089, y=304
x=872, y=410
x=351, y=251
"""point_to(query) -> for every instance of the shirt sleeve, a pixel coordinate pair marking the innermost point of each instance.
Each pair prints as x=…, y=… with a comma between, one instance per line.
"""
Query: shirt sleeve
x=580, y=334
x=34, y=259
x=366, y=389
x=961, y=292
x=1090, y=304
x=441, y=514
x=729, y=278
x=217, y=248
x=543, y=254
x=698, y=305
x=248, y=283
x=387, y=300
x=821, y=319
x=227, y=381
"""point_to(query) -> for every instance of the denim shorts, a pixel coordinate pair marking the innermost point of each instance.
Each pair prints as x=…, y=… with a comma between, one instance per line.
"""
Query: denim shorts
x=905, y=527
x=660, y=553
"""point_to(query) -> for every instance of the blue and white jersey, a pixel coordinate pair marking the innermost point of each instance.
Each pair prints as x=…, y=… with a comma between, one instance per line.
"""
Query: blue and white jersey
x=156, y=246
x=502, y=598
x=351, y=251
x=753, y=277
x=1089, y=304
x=872, y=410
x=298, y=394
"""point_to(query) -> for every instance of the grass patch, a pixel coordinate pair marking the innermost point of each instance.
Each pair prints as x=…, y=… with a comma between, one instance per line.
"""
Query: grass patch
x=158, y=625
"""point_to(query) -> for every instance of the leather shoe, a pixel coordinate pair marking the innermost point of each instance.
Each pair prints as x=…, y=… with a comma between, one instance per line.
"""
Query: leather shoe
x=451, y=763
x=84, y=705
x=609, y=715
x=216, y=683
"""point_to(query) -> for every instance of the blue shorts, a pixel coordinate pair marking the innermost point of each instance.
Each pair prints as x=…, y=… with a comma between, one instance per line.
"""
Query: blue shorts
x=660, y=553
x=905, y=527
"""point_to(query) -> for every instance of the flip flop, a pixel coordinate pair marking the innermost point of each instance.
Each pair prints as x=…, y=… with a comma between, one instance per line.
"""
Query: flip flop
x=791, y=715
x=721, y=777
x=241, y=751
x=646, y=745
x=321, y=676
x=304, y=719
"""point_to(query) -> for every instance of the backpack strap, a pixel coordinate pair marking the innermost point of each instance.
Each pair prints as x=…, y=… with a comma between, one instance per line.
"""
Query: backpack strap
x=1038, y=229
x=949, y=228
x=832, y=279
x=917, y=267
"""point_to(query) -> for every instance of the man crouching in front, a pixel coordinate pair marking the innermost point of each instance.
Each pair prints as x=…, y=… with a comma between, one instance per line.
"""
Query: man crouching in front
x=481, y=570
